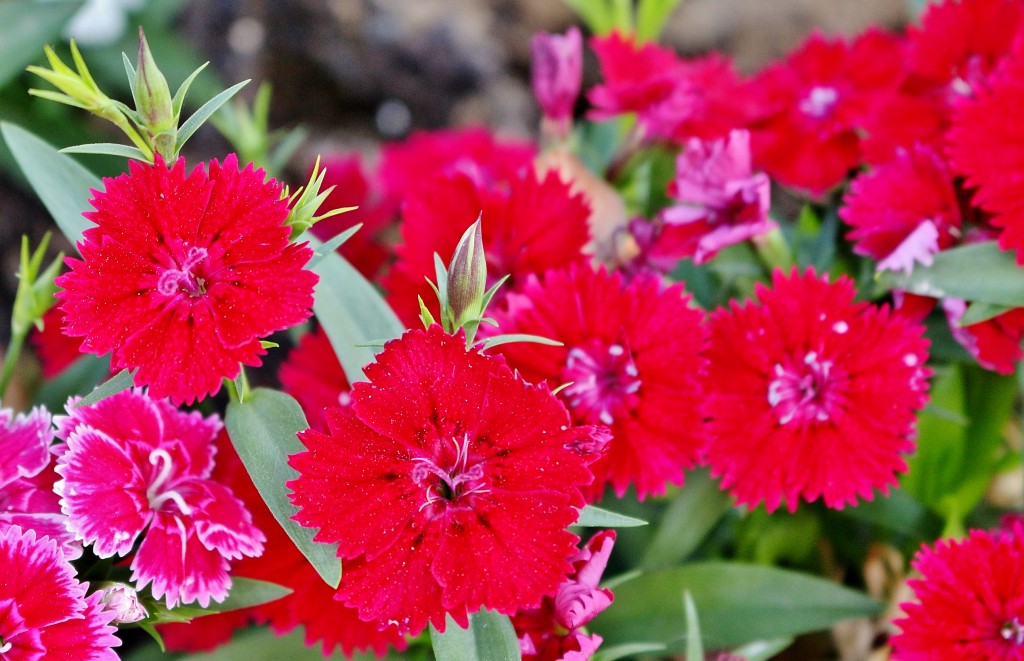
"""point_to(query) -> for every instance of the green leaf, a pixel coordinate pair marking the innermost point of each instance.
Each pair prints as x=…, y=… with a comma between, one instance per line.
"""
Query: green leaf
x=204, y=113
x=248, y=592
x=352, y=313
x=332, y=245
x=595, y=517
x=263, y=430
x=628, y=650
x=900, y=512
x=694, y=644
x=25, y=27
x=83, y=375
x=695, y=509
x=651, y=16
x=979, y=311
x=108, y=148
x=762, y=650
x=975, y=272
x=123, y=380
x=490, y=637
x=507, y=338
x=738, y=604
x=599, y=15
x=61, y=183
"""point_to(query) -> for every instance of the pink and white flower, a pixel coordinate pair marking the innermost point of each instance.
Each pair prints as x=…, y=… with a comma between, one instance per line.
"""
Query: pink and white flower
x=135, y=465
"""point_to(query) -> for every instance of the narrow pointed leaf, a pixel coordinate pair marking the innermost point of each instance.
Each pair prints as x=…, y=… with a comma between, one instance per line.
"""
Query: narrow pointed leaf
x=25, y=27
x=695, y=509
x=975, y=272
x=694, y=644
x=263, y=430
x=595, y=517
x=60, y=182
x=352, y=313
x=490, y=637
x=507, y=338
x=248, y=592
x=332, y=245
x=628, y=650
x=200, y=116
x=107, y=148
x=123, y=380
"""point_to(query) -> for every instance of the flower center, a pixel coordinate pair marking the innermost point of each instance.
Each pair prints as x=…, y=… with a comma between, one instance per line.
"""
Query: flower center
x=5, y=647
x=156, y=497
x=804, y=391
x=1013, y=631
x=819, y=101
x=447, y=486
x=173, y=281
x=604, y=380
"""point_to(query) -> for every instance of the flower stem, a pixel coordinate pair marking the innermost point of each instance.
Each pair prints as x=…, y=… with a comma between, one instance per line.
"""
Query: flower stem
x=11, y=359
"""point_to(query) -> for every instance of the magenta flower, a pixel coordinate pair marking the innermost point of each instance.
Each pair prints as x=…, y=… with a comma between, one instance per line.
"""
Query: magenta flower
x=26, y=479
x=44, y=612
x=557, y=74
x=719, y=200
x=183, y=275
x=135, y=465
x=554, y=631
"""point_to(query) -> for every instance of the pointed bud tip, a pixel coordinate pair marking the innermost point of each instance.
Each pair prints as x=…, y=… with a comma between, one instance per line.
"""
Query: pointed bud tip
x=467, y=276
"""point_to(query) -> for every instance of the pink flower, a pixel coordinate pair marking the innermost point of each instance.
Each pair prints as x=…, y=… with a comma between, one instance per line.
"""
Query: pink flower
x=810, y=394
x=557, y=74
x=631, y=352
x=44, y=611
x=969, y=600
x=554, y=631
x=26, y=479
x=985, y=146
x=448, y=485
x=184, y=274
x=135, y=465
x=718, y=200
x=904, y=211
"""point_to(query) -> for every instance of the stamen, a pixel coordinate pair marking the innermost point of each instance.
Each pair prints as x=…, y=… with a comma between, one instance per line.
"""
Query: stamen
x=173, y=281
x=156, y=499
x=1013, y=631
x=5, y=647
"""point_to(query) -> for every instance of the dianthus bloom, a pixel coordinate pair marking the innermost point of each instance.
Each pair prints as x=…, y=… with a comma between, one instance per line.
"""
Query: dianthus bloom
x=905, y=211
x=969, y=600
x=557, y=74
x=44, y=610
x=183, y=274
x=531, y=224
x=26, y=479
x=136, y=466
x=995, y=343
x=447, y=485
x=811, y=394
x=554, y=632
x=631, y=354
x=718, y=200
x=985, y=146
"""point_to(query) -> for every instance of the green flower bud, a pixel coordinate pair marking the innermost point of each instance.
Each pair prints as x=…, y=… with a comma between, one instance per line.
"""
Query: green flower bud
x=35, y=290
x=467, y=278
x=153, y=100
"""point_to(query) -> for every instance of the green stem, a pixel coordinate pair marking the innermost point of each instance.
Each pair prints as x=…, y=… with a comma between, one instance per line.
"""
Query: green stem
x=773, y=250
x=11, y=360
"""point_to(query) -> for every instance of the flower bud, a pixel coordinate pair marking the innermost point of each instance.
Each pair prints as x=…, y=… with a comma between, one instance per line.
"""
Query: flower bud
x=467, y=277
x=557, y=74
x=35, y=291
x=122, y=600
x=152, y=96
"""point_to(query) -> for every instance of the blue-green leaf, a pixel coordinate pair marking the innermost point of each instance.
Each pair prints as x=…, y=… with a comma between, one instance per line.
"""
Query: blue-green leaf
x=975, y=272
x=123, y=380
x=248, y=592
x=738, y=604
x=263, y=430
x=332, y=245
x=695, y=509
x=490, y=637
x=595, y=517
x=204, y=113
x=25, y=27
x=61, y=183
x=352, y=313
x=108, y=148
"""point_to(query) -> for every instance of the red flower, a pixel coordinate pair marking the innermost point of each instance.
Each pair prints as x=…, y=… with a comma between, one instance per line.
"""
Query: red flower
x=313, y=375
x=814, y=103
x=312, y=603
x=674, y=99
x=365, y=250
x=995, y=343
x=55, y=350
x=969, y=600
x=529, y=226
x=448, y=485
x=475, y=152
x=183, y=274
x=811, y=394
x=631, y=353
x=903, y=212
x=986, y=146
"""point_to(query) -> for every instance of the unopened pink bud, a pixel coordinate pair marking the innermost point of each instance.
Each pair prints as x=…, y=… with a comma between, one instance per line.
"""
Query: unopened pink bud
x=123, y=601
x=557, y=73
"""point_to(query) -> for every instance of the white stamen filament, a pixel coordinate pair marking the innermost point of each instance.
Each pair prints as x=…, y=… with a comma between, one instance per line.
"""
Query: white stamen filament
x=153, y=494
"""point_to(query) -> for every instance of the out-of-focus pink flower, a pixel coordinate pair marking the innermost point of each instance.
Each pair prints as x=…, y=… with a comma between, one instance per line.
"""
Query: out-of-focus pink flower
x=557, y=74
x=135, y=466
x=718, y=200
x=123, y=600
x=554, y=631
x=995, y=343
